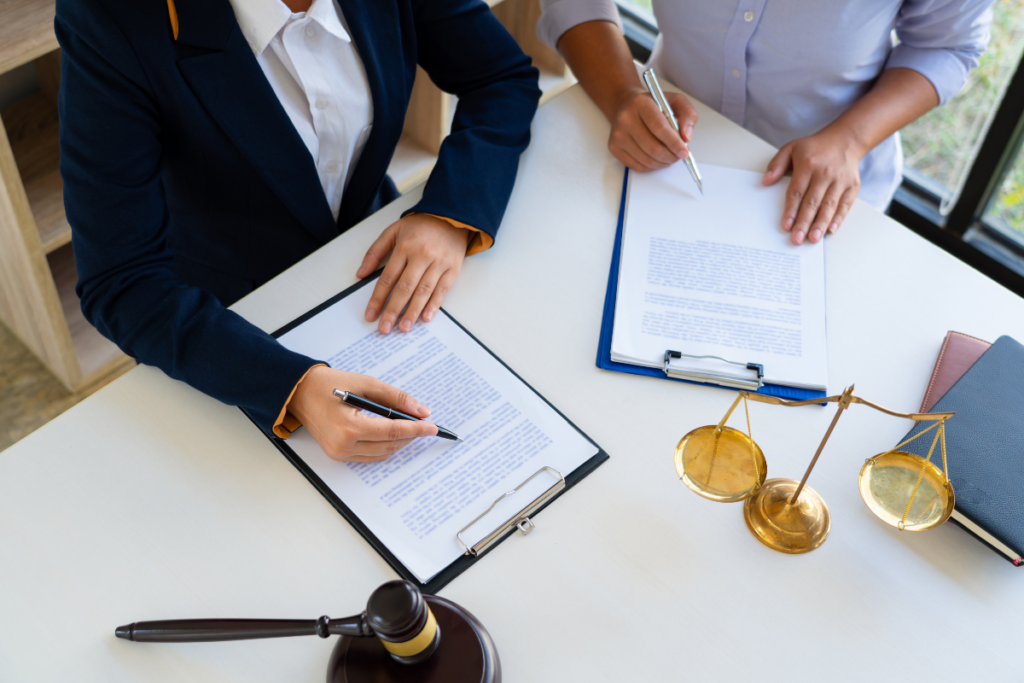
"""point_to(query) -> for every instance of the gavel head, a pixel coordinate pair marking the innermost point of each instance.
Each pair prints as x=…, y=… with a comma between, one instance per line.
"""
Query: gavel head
x=404, y=627
x=403, y=622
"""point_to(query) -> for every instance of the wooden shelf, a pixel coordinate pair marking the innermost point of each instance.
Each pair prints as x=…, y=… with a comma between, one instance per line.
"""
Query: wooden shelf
x=26, y=31
x=94, y=351
x=37, y=267
x=32, y=129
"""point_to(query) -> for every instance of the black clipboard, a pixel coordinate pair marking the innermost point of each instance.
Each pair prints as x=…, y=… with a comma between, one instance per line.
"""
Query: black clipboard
x=465, y=561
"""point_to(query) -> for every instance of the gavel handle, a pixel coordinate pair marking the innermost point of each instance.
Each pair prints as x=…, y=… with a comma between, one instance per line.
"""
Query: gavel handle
x=207, y=630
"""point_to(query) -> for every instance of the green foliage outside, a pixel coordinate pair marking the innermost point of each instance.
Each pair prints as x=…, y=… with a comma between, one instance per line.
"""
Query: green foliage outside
x=941, y=144
x=1009, y=204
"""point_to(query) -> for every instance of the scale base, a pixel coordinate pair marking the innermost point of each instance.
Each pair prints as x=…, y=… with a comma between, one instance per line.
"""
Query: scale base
x=466, y=654
x=796, y=528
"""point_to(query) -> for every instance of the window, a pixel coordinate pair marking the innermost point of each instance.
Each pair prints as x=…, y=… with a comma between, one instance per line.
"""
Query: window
x=1004, y=216
x=941, y=146
x=640, y=9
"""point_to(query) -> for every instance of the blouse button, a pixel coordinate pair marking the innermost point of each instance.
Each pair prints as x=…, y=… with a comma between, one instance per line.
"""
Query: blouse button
x=736, y=73
x=331, y=167
x=748, y=16
x=321, y=103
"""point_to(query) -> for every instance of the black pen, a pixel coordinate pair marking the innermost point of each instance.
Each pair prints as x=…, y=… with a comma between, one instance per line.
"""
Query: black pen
x=377, y=409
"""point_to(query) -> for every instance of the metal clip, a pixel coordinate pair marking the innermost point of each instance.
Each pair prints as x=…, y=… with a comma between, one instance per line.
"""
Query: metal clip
x=520, y=521
x=709, y=377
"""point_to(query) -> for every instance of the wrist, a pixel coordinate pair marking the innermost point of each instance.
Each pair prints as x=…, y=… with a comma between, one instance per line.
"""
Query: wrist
x=299, y=405
x=466, y=234
x=842, y=135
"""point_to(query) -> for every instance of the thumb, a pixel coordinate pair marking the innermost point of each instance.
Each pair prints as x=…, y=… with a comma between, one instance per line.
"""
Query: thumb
x=378, y=251
x=393, y=397
x=779, y=164
x=685, y=113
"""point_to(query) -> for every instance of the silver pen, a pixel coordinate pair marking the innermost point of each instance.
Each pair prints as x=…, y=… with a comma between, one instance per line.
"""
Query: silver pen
x=651, y=81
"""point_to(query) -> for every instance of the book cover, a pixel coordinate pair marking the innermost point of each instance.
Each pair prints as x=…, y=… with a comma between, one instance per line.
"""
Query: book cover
x=958, y=353
x=985, y=447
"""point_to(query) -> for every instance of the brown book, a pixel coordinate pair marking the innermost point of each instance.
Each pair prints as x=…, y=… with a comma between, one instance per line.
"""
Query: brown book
x=959, y=352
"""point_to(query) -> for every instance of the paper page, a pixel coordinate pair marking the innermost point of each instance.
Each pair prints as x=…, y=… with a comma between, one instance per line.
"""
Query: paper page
x=716, y=275
x=418, y=499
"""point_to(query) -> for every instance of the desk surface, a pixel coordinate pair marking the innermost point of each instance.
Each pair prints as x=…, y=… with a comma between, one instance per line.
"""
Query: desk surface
x=151, y=501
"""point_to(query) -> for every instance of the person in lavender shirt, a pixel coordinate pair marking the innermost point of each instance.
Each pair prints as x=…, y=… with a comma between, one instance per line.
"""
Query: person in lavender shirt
x=823, y=81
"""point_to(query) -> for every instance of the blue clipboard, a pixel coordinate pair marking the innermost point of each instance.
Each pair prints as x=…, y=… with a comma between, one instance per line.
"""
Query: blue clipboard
x=604, y=347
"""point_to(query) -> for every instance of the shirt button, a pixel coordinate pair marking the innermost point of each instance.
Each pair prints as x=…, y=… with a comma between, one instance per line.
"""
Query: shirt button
x=310, y=31
x=748, y=16
x=321, y=103
x=331, y=167
x=736, y=73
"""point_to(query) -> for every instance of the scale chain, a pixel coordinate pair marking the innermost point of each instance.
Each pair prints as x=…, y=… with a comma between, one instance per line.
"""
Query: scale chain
x=903, y=522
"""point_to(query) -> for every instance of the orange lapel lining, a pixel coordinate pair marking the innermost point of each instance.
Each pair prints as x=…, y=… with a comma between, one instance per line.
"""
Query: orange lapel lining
x=171, y=10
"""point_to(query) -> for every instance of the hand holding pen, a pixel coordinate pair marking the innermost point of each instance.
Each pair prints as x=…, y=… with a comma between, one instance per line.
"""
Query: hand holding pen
x=344, y=432
x=651, y=81
x=642, y=137
x=366, y=404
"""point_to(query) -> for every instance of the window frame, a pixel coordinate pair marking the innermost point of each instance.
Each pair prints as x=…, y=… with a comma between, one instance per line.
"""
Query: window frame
x=964, y=231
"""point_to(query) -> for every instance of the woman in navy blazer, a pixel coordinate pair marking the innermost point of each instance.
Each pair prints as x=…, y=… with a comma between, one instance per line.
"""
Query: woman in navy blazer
x=187, y=186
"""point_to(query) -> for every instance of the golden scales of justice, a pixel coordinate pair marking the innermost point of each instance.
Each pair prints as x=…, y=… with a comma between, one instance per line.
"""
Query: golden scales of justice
x=725, y=465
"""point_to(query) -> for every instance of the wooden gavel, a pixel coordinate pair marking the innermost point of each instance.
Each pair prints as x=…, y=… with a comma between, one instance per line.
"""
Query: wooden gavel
x=399, y=628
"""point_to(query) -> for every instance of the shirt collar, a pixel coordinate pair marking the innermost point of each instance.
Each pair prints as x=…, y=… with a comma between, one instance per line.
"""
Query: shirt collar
x=261, y=20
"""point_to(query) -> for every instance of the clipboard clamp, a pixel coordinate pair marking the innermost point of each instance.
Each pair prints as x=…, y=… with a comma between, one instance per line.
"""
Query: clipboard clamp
x=710, y=377
x=520, y=521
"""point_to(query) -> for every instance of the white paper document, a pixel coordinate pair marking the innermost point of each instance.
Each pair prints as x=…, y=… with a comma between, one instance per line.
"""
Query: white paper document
x=418, y=499
x=717, y=276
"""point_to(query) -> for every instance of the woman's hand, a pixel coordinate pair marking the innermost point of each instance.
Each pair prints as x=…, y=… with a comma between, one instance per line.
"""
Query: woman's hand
x=426, y=257
x=642, y=137
x=343, y=431
x=825, y=183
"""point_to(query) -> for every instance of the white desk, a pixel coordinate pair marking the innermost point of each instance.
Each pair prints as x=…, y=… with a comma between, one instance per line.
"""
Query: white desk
x=151, y=501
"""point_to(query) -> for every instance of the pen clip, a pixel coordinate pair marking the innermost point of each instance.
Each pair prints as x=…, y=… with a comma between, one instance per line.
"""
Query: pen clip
x=651, y=81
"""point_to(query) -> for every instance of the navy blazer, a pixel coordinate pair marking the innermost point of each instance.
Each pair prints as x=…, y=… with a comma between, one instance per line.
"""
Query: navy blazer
x=187, y=186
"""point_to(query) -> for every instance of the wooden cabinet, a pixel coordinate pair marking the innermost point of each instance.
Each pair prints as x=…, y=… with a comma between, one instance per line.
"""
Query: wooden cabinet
x=37, y=267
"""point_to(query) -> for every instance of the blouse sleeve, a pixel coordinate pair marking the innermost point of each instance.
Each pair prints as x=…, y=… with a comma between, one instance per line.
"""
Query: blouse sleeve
x=942, y=40
x=561, y=15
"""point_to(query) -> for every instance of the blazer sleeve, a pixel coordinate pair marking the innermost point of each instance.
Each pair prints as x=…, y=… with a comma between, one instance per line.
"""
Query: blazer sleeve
x=110, y=139
x=467, y=52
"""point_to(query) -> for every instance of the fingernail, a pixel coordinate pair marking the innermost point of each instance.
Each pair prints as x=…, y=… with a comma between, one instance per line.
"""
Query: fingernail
x=789, y=224
x=815, y=234
x=405, y=325
x=688, y=131
x=798, y=237
x=385, y=327
x=371, y=314
x=833, y=227
x=428, y=315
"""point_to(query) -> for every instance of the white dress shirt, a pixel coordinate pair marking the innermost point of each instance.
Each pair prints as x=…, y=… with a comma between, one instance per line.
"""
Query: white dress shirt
x=315, y=70
x=784, y=69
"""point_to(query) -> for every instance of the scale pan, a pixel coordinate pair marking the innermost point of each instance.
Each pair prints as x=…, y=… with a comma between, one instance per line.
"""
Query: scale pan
x=887, y=483
x=725, y=471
